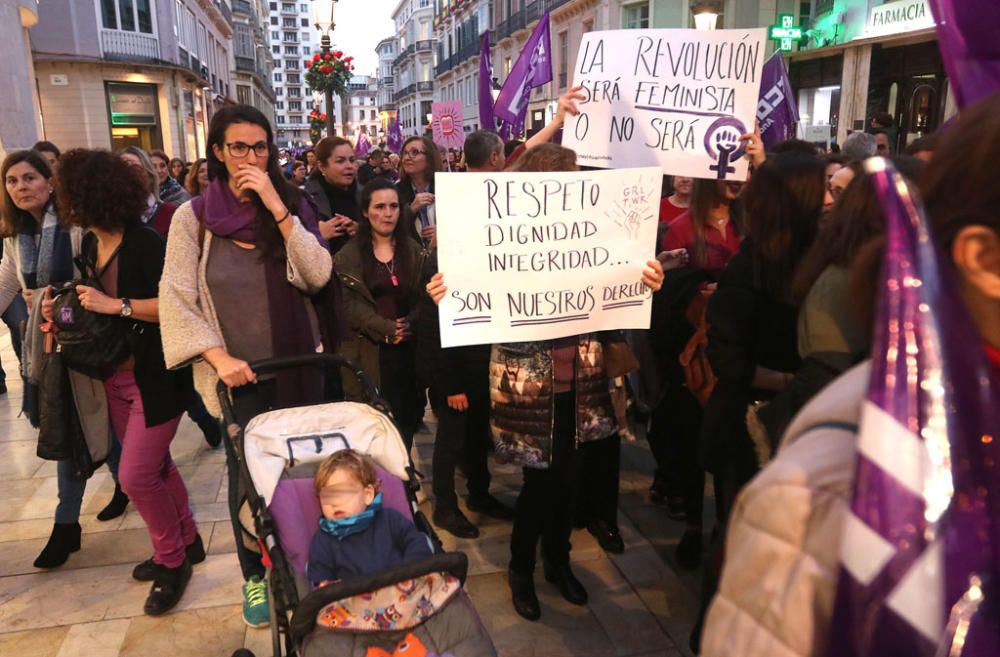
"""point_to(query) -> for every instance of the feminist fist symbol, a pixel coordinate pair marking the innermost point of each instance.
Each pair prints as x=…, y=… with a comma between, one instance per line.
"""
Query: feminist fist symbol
x=722, y=142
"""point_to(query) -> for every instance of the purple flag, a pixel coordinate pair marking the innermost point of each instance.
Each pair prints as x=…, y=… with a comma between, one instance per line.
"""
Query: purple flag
x=777, y=113
x=920, y=541
x=394, y=140
x=487, y=120
x=967, y=38
x=533, y=68
x=362, y=146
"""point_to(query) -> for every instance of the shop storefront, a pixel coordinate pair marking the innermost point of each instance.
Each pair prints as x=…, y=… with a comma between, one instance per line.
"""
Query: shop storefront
x=859, y=61
x=133, y=114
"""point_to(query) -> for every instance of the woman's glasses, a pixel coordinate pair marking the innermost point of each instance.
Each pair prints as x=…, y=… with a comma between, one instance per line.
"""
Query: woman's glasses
x=413, y=152
x=239, y=150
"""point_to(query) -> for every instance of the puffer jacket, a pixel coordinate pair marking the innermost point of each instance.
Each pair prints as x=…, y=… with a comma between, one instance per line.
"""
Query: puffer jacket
x=522, y=402
x=779, y=580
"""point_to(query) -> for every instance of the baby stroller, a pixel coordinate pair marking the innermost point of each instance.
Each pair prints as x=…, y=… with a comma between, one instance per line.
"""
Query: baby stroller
x=418, y=609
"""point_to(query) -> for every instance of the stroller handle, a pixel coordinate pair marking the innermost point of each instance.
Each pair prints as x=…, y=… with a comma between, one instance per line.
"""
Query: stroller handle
x=325, y=361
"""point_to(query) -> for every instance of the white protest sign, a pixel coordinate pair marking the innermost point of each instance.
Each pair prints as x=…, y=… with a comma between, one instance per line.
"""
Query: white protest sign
x=538, y=256
x=677, y=99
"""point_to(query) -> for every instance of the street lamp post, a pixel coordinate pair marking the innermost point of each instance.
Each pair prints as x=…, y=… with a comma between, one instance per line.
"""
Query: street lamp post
x=706, y=15
x=323, y=17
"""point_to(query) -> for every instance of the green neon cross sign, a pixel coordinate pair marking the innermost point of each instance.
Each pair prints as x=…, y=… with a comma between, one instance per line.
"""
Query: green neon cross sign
x=785, y=32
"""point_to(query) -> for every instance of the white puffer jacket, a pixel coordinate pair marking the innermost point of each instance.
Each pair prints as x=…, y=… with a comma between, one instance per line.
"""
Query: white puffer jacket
x=777, y=589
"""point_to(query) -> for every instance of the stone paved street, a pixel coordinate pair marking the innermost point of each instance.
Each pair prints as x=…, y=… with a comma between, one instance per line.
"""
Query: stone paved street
x=640, y=606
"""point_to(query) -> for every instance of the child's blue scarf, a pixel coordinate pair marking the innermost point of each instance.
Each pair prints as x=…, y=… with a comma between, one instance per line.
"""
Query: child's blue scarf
x=341, y=528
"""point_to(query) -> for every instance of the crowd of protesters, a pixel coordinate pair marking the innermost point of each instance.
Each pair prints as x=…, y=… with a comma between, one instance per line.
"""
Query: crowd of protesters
x=762, y=302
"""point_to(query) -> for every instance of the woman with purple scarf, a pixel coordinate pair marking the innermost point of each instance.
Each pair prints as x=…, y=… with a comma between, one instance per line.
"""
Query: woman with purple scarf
x=241, y=262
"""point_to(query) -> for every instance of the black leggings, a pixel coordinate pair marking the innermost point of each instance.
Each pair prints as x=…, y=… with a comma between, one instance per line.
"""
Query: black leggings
x=547, y=501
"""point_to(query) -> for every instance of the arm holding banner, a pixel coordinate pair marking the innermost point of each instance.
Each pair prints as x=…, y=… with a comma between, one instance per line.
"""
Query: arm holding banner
x=567, y=103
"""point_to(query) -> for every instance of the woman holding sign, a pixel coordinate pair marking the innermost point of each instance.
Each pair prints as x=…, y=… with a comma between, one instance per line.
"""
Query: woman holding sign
x=548, y=398
x=380, y=270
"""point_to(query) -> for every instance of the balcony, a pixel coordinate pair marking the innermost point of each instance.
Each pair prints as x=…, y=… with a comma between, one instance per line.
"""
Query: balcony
x=404, y=92
x=443, y=66
x=129, y=46
x=386, y=80
x=243, y=7
x=388, y=107
x=427, y=87
x=289, y=9
x=425, y=46
x=408, y=52
x=225, y=11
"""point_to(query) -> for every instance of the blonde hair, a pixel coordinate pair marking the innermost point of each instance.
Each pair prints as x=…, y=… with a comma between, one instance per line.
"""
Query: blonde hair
x=360, y=465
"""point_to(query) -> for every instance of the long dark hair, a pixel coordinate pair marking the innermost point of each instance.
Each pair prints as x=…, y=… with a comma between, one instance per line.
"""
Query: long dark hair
x=855, y=219
x=432, y=157
x=706, y=195
x=271, y=242
x=784, y=200
x=14, y=219
x=404, y=266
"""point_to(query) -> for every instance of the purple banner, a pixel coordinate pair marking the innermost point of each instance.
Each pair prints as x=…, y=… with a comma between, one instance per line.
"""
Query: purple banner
x=362, y=146
x=533, y=68
x=394, y=140
x=967, y=33
x=777, y=113
x=487, y=120
x=920, y=557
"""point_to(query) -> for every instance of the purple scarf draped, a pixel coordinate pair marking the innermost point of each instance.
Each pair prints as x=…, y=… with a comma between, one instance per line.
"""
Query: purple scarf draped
x=291, y=332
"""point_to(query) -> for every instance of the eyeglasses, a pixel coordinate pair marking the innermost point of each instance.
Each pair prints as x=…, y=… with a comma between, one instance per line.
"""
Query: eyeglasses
x=413, y=153
x=334, y=495
x=239, y=150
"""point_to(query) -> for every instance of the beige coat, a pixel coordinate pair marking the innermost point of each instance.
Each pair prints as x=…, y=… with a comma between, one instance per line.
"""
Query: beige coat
x=188, y=321
x=777, y=590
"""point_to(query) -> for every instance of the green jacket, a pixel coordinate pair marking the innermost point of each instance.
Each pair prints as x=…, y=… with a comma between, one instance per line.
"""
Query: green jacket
x=369, y=330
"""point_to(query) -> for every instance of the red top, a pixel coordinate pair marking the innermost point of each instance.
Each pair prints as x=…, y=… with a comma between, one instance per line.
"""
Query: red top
x=669, y=211
x=161, y=220
x=994, y=355
x=719, y=248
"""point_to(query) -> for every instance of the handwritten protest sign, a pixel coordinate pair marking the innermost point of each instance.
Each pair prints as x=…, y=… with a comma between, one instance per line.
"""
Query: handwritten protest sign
x=538, y=256
x=446, y=122
x=677, y=99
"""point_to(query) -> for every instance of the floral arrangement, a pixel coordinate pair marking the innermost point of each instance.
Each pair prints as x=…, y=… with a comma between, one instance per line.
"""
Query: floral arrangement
x=329, y=72
x=317, y=120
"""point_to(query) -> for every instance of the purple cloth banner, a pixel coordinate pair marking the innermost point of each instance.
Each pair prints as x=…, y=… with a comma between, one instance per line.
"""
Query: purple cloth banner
x=362, y=146
x=394, y=140
x=777, y=113
x=967, y=33
x=921, y=551
x=533, y=68
x=487, y=120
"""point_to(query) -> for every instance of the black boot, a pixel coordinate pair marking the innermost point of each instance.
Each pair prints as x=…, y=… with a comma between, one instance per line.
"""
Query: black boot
x=64, y=540
x=212, y=432
x=452, y=520
x=168, y=587
x=148, y=569
x=689, y=549
x=563, y=579
x=607, y=536
x=116, y=506
x=489, y=506
x=522, y=593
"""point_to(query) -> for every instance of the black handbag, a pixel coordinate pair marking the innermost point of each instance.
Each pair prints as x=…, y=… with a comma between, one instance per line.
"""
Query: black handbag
x=90, y=343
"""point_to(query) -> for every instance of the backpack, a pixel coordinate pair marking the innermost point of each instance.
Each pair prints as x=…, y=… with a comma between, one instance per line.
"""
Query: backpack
x=698, y=376
x=90, y=343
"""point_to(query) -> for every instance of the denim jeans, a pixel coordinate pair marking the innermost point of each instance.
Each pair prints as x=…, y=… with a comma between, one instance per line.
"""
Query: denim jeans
x=71, y=487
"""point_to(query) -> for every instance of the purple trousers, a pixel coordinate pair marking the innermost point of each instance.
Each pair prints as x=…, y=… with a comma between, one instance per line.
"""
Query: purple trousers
x=148, y=474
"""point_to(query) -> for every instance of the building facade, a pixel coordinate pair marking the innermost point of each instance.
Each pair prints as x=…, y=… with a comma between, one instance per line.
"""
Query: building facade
x=459, y=29
x=116, y=73
x=386, y=81
x=361, y=109
x=294, y=40
x=866, y=56
x=414, y=64
x=20, y=121
x=252, y=56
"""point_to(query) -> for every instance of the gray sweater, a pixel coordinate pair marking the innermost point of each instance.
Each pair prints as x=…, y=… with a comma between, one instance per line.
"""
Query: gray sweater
x=188, y=320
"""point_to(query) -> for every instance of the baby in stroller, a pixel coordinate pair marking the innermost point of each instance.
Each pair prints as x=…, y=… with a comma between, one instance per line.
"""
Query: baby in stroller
x=356, y=536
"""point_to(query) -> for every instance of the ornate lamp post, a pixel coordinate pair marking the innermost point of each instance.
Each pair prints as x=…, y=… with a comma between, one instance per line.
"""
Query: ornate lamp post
x=322, y=11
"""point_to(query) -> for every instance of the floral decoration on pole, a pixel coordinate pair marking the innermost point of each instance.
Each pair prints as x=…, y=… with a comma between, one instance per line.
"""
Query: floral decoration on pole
x=329, y=72
x=317, y=121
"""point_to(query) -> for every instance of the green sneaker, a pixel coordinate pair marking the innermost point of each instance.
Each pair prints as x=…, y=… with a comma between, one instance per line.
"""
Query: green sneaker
x=256, y=613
